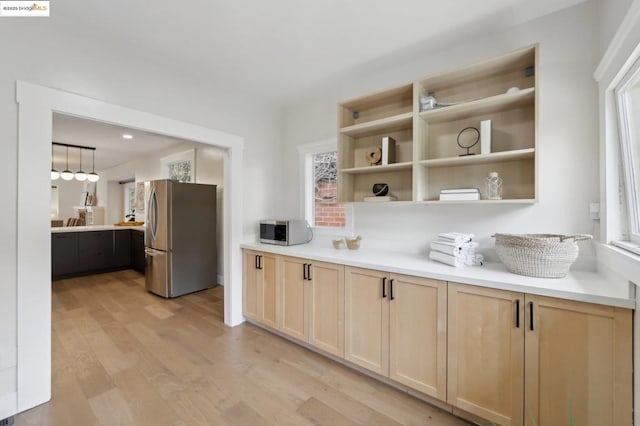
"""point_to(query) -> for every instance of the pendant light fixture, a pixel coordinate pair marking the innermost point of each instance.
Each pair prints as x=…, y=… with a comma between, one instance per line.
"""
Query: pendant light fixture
x=93, y=176
x=66, y=173
x=54, y=173
x=80, y=175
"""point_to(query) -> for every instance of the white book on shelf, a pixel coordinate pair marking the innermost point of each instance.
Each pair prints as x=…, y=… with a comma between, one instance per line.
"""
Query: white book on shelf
x=388, y=150
x=485, y=137
x=459, y=190
x=460, y=197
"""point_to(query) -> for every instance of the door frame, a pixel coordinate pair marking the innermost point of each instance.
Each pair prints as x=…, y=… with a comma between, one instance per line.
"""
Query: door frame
x=36, y=105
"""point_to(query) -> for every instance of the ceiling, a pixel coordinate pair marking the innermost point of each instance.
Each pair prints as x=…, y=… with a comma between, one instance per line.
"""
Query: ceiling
x=284, y=48
x=111, y=148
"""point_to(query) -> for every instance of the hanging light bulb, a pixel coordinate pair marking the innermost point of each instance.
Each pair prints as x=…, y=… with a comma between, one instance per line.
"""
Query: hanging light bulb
x=80, y=175
x=54, y=173
x=93, y=176
x=66, y=173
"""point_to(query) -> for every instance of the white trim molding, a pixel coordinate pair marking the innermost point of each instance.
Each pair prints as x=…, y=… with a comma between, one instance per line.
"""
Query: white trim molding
x=36, y=105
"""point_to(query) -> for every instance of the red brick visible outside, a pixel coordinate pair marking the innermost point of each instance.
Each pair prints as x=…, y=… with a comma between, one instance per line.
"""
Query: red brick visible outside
x=328, y=213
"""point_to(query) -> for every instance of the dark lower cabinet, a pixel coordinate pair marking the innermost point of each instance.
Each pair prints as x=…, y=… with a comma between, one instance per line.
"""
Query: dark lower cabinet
x=138, y=261
x=64, y=253
x=95, y=250
x=81, y=253
x=122, y=248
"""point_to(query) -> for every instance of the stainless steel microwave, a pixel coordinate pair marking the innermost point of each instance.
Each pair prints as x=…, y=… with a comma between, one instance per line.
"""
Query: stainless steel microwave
x=285, y=232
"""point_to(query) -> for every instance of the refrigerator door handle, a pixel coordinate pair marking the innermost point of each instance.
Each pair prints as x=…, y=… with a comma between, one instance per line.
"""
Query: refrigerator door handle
x=153, y=214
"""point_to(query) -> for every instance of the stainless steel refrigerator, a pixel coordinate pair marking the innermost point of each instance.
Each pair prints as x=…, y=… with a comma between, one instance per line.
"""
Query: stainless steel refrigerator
x=180, y=238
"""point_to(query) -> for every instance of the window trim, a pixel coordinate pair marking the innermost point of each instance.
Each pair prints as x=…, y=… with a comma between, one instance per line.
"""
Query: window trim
x=632, y=192
x=305, y=154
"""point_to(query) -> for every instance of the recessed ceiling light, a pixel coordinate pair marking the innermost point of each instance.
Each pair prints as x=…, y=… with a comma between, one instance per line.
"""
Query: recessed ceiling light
x=127, y=136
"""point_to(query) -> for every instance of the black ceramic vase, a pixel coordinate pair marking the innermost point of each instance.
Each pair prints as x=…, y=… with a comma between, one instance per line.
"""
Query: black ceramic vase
x=380, y=189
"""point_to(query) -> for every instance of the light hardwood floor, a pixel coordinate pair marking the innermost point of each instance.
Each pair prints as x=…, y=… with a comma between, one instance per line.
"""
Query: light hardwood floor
x=124, y=356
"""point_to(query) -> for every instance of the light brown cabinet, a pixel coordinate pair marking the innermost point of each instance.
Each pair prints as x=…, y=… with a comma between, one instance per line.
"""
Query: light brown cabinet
x=260, y=294
x=520, y=359
x=486, y=352
x=396, y=326
x=312, y=303
x=578, y=363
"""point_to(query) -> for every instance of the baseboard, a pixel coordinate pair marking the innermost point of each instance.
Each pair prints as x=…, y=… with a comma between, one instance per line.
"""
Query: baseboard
x=8, y=405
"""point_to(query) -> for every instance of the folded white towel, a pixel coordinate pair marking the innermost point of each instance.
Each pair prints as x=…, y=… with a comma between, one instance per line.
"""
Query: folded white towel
x=446, y=259
x=455, y=237
x=453, y=248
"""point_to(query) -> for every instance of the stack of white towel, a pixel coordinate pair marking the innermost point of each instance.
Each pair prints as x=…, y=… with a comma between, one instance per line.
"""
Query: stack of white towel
x=455, y=249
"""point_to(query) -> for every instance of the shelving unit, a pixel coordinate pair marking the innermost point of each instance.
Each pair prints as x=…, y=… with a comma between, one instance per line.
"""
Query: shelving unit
x=427, y=156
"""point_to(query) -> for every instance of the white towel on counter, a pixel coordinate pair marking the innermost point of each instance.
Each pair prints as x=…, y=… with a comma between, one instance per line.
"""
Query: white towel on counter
x=446, y=258
x=455, y=237
x=453, y=248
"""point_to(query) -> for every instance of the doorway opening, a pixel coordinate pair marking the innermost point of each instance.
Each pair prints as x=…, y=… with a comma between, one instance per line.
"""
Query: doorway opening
x=37, y=106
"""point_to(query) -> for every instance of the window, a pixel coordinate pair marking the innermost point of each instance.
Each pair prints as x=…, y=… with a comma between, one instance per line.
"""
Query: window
x=628, y=101
x=129, y=194
x=326, y=210
x=319, y=190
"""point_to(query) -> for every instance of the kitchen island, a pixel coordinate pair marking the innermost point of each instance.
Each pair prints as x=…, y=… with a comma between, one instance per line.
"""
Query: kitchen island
x=84, y=250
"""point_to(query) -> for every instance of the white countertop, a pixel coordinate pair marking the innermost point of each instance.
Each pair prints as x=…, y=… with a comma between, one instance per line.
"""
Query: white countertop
x=577, y=285
x=61, y=229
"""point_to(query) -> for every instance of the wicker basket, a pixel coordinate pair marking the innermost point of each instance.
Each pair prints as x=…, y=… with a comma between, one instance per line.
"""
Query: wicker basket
x=538, y=255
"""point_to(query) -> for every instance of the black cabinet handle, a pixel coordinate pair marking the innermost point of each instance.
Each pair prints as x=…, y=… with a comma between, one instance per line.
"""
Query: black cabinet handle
x=257, y=264
x=531, y=316
x=517, y=313
x=384, y=287
x=261, y=266
x=391, y=296
x=309, y=272
x=304, y=272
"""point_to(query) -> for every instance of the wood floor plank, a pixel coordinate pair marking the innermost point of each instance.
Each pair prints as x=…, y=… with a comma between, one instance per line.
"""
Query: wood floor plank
x=122, y=355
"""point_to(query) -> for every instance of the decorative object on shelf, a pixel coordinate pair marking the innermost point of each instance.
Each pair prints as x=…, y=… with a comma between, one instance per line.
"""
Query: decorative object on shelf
x=380, y=189
x=459, y=194
x=470, y=137
x=180, y=166
x=485, y=137
x=538, y=255
x=513, y=89
x=353, y=244
x=374, y=157
x=428, y=102
x=493, y=185
x=388, y=150
x=338, y=244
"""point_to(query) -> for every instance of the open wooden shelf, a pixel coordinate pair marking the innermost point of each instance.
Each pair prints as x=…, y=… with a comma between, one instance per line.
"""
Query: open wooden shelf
x=494, y=157
x=378, y=169
x=484, y=106
x=388, y=124
x=425, y=142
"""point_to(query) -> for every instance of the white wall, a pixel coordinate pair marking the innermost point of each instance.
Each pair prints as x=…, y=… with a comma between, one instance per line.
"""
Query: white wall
x=610, y=15
x=209, y=170
x=55, y=54
x=567, y=135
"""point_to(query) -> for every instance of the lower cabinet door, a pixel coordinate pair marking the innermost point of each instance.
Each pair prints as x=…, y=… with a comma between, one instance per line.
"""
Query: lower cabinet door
x=418, y=334
x=326, y=307
x=268, y=290
x=485, y=373
x=293, y=319
x=578, y=363
x=250, y=290
x=367, y=319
